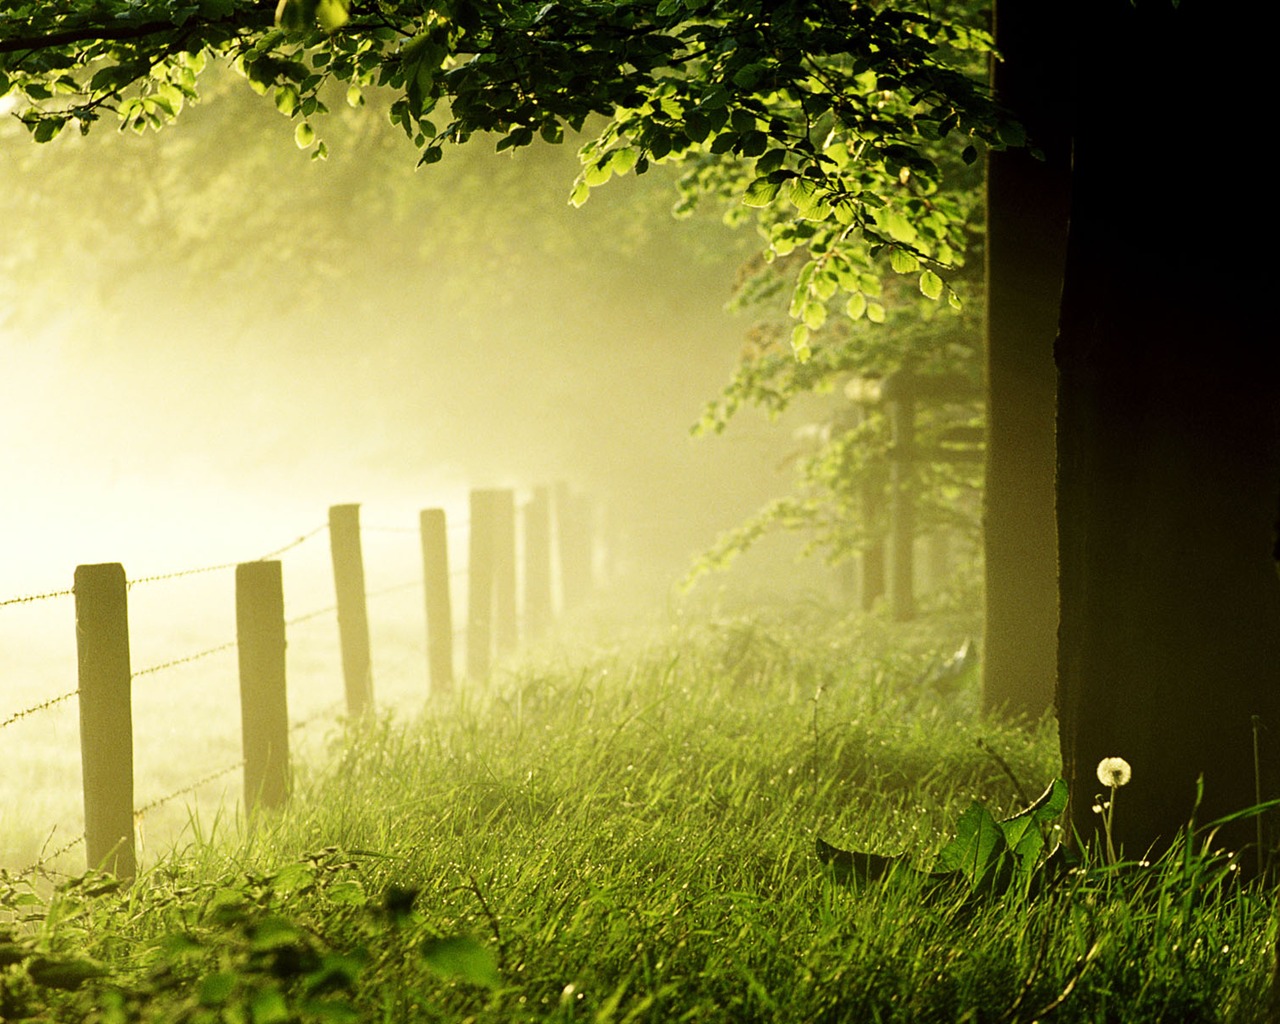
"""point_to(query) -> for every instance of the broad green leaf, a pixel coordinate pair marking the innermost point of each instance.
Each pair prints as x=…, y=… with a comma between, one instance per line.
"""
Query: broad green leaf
x=875, y=312
x=598, y=172
x=761, y=192
x=287, y=98
x=623, y=160
x=355, y=96
x=902, y=261
x=462, y=958
x=815, y=315
x=580, y=194
x=856, y=306
x=800, y=343
x=269, y=1007
x=931, y=285
x=304, y=135
x=333, y=14
x=63, y=972
x=809, y=200
x=953, y=300
x=978, y=848
x=899, y=228
x=216, y=988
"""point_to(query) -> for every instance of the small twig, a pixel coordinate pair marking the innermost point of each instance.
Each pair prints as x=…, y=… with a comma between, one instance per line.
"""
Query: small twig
x=1004, y=767
x=493, y=920
x=1062, y=996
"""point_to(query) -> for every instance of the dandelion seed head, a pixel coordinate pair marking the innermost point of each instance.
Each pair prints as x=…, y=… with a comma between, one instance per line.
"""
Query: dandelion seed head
x=1114, y=772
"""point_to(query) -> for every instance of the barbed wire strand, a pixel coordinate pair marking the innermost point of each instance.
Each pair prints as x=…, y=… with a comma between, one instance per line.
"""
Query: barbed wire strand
x=396, y=588
x=43, y=705
x=307, y=616
x=295, y=542
x=325, y=712
x=31, y=869
x=229, y=645
x=142, y=811
x=180, y=573
x=28, y=598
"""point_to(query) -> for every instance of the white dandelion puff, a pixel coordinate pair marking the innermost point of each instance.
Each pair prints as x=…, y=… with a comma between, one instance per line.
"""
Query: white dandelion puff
x=1114, y=772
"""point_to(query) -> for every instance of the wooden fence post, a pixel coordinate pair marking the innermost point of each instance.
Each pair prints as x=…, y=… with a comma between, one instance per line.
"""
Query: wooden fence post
x=353, y=614
x=506, y=629
x=264, y=711
x=537, y=563
x=439, y=607
x=901, y=401
x=106, y=717
x=574, y=529
x=873, y=568
x=480, y=585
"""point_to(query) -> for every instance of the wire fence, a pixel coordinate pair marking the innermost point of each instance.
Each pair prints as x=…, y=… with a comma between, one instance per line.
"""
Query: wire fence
x=400, y=667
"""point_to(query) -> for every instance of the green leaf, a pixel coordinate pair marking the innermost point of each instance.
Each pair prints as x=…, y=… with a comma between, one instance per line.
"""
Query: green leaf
x=815, y=315
x=580, y=194
x=931, y=285
x=48, y=128
x=902, y=261
x=269, y=1007
x=215, y=989
x=333, y=14
x=287, y=99
x=856, y=306
x=978, y=849
x=761, y=193
x=953, y=300
x=875, y=312
x=462, y=958
x=304, y=135
x=63, y=972
x=800, y=343
x=899, y=228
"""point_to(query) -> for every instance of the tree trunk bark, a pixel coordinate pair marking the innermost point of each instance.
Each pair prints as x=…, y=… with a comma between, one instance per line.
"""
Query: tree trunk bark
x=1168, y=434
x=1027, y=205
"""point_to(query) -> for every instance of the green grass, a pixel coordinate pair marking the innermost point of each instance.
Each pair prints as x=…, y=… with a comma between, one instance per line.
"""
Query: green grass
x=630, y=837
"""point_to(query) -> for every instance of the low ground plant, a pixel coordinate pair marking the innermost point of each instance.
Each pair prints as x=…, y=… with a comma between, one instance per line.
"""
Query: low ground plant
x=665, y=831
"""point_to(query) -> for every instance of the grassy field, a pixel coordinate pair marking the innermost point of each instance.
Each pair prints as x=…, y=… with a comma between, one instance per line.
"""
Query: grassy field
x=630, y=836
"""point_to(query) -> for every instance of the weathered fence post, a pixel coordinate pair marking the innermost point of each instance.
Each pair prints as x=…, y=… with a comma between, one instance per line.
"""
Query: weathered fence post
x=537, y=562
x=480, y=585
x=353, y=615
x=264, y=711
x=506, y=629
x=574, y=529
x=435, y=576
x=900, y=397
x=873, y=567
x=106, y=717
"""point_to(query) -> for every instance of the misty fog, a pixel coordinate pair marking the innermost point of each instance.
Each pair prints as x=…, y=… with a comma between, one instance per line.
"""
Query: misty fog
x=209, y=337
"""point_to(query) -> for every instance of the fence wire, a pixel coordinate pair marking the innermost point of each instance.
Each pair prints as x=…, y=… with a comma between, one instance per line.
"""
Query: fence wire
x=140, y=812
x=45, y=858
x=308, y=616
x=42, y=706
x=228, y=646
x=295, y=542
x=28, y=598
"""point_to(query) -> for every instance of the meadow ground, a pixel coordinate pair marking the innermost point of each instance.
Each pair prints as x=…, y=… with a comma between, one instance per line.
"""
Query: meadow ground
x=629, y=835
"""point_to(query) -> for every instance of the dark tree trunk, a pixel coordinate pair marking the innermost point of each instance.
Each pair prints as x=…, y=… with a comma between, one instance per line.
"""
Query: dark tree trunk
x=1027, y=202
x=1168, y=451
